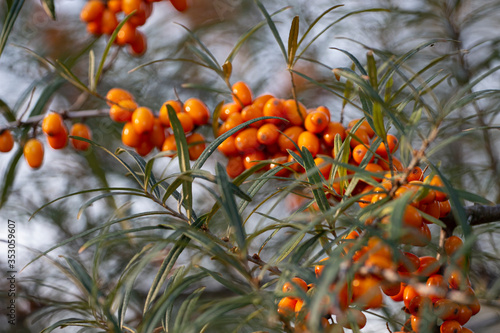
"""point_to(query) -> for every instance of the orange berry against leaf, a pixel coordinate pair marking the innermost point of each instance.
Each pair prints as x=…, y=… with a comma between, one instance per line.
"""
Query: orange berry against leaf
x=376, y=169
x=228, y=109
x=235, y=166
x=129, y=136
x=359, y=137
x=415, y=174
x=251, y=112
x=197, y=110
x=176, y=105
x=364, y=126
x=408, y=294
x=274, y=107
x=6, y=141
x=436, y=181
x=359, y=152
x=33, y=153
x=310, y=141
x=446, y=309
x=82, y=131
x=444, y=208
x=318, y=269
x=286, y=307
x=331, y=130
x=290, y=136
x=290, y=287
x=412, y=217
x=53, y=124
x=324, y=110
x=408, y=263
x=128, y=6
x=316, y=122
x=252, y=158
x=392, y=142
x=396, y=164
x=196, y=145
x=58, y=141
x=366, y=292
x=323, y=166
x=399, y=296
x=428, y=266
x=143, y=120
x=180, y=5
x=432, y=209
x=169, y=145
x=246, y=140
x=186, y=122
x=420, y=304
x=141, y=15
x=232, y=121
x=116, y=95
x=268, y=134
x=278, y=159
x=242, y=93
x=228, y=147
x=157, y=135
x=351, y=316
x=438, y=287
x=452, y=244
x=92, y=10
x=450, y=326
x=126, y=34
x=295, y=112
x=139, y=44
x=122, y=112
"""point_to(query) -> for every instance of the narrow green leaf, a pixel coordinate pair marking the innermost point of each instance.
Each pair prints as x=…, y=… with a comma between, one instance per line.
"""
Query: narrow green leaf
x=372, y=69
x=9, y=23
x=7, y=111
x=378, y=120
x=9, y=176
x=199, y=42
x=68, y=322
x=215, y=118
x=273, y=28
x=230, y=208
x=292, y=40
x=50, y=9
x=353, y=59
x=316, y=21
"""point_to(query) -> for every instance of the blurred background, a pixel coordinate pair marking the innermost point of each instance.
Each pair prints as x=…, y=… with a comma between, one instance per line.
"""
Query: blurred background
x=467, y=45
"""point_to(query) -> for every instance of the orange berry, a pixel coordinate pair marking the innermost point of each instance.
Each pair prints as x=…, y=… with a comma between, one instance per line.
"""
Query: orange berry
x=290, y=136
x=197, y=110
x=409, y=263
x=290, y=287
x=278, y=159
x=452, y=244
x=145, y=147
x=457, y=279
x=431, y=209
x=126, y=34
x=450, y=326
x=58, y=141
x=143, y=120
x=246, y=140
x=228, y=147
x=375, y=168
x=196, y=144
x=83, y=131
x=396, y=164
x=436, y=181
x=444, y=208
x=92, y=11
x=399, y=296
x=318, y=269
x=180, y=5
x=228, y=109
x=408, y=294
x=33, y=153
x=323, y=166
x=359, y=137
x=274, y=107
x=439, y=286
x=351, y=315
x=122, y=112
x=475, y=306
x=186, y=122
x=359, y=152
x=108, y=22
x=310, y=141
x=324, y=110
x=364, y=126
x=94, y=28
x=157, y=136
x=129, y=136
x=415, y=174
x=169, y=145
x=142, y=14
x=464, y=314
x=252, y=158
x=116, y=95
x=251, y=112
x=316, y=122
x=138, y=45
x=332, y=129
x=115, y=6
x=176, y=105
x=428, y=266
x=128, y=6
x=232, y=121
x=366, y=292
x=53, y=124
x=296, y=166
x=268, y=134
x=411, y=217
x=235, y=166
x=286, y=307
x=260, y=101
x=446, y=309
x=295, y=115
x=419, y=304
x=6, y=141
x=242, y=93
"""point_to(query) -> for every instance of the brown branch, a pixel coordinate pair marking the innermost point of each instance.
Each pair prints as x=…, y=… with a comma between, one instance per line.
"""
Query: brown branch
x=476, y=215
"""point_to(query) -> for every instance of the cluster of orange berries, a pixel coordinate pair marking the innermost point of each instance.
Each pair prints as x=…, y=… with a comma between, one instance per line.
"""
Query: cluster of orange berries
x=271, y=139
x=101, y=18
x=57, y=137
x=144, y=131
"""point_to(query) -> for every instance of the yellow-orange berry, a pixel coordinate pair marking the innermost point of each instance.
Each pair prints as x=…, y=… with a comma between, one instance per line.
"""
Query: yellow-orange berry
x=289, y=136
x=138, y=45
x=310, y=141
x=157, y=136
x=252, y=158
x=196, y=145
x=251, y=112
x=108, y=22
x=235, y=166
x=332, y=129
x=316, y=122
x=228, y=147
x=126, y=34
x=296, y=116
x=274, y=107
x=170, y=145
x=128, y=6
x=268, y=134
x=228, y=109
x=122, y=112
x=143, y=120
x=242, y=93
x=6, y=141
x=186, y=122
x=92, y=10
x=58, y=141
x=116, y=95
x=246, y=140
x=176, y=105
x=197, y=110
x=82, y=131
x=129, y=136
x=33, y=153
x=53, y=124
